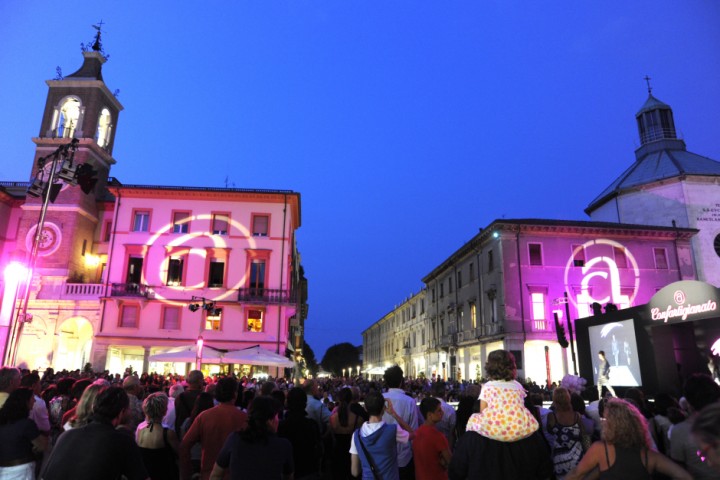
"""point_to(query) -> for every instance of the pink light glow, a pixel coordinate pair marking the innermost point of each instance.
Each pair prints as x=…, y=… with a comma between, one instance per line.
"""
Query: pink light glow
x=15, y=271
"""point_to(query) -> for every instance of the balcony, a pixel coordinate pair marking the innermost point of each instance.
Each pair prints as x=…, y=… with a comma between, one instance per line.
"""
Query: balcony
x=83, y=291
x=265, y=295
x=129, y=290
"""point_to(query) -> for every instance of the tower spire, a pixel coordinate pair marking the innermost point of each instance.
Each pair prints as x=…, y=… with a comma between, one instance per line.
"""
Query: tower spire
x=647, y=80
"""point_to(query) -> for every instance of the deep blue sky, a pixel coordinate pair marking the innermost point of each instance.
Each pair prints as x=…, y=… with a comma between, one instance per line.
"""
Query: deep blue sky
x=405, y=125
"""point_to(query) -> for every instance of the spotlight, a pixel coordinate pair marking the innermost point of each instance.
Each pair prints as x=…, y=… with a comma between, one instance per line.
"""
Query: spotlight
x=215, y=312
x=194, y=307
x=85, y=176
x=68, y=172
x=36, y=188
x=209, y=306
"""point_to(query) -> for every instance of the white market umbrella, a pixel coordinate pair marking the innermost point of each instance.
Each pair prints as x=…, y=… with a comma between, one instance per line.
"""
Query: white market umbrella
x=257, y=356
x=188, y=354
x=375, y=371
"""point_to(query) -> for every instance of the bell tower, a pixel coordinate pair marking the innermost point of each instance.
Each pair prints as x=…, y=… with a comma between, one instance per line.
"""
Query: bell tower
x=81, y=109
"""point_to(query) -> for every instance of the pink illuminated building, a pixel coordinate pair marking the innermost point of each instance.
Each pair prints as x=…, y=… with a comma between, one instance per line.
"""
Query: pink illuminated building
x=126, y=272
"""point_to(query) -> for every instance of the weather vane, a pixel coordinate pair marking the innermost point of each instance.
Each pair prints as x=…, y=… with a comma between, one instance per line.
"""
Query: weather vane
x=647, y=79
x=96, y=44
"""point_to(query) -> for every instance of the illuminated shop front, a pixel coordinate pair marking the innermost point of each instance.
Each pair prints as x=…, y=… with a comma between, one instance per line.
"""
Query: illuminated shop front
x=656, y=345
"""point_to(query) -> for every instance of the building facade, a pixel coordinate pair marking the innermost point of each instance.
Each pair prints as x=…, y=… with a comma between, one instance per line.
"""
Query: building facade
x=504, y=287
x=122, y=272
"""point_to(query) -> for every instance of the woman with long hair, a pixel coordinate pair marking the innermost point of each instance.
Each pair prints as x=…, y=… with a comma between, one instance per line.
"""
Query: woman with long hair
x=566, y=429
x=19, y=436
x=624, y=451
x=84, y=409
x=256, y=453
x=343, y=423
x=158, y=444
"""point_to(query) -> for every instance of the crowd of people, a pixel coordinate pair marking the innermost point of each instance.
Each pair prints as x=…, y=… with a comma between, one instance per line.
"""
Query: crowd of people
x=84, y=425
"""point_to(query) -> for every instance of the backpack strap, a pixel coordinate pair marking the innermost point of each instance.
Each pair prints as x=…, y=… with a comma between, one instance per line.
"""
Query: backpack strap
x=373, y=467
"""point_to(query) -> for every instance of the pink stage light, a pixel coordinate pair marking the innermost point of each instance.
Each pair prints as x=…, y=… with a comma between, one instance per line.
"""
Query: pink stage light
x=15, y=271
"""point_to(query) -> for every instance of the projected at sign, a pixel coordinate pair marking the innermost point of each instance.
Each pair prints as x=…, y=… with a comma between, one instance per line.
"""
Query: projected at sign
x=617, y=340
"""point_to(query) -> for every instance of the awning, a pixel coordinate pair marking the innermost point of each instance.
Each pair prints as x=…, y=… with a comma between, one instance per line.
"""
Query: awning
x=188, y=354
x=257, y=355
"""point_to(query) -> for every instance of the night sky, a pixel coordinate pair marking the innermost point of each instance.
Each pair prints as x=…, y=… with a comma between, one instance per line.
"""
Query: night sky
x=405, y=126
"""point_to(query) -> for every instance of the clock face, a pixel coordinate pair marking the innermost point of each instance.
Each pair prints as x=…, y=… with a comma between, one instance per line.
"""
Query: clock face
x=49, y=241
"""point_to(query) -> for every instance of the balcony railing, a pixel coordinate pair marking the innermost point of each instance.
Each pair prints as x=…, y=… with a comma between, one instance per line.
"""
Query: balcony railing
x=129, y=290
x=83, y=290
x=265, y=295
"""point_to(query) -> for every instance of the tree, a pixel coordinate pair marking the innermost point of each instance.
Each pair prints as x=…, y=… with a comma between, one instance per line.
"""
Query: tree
x=339, y=356
x=310, y=360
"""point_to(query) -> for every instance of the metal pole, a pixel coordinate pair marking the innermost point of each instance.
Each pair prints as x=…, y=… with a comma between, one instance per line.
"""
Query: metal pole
x=570, y=332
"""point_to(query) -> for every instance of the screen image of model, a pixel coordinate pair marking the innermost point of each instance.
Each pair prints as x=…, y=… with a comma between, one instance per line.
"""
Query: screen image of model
x=617, y=340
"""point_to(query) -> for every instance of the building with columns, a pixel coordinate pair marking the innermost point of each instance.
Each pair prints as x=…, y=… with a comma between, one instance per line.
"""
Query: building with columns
x=117, y=266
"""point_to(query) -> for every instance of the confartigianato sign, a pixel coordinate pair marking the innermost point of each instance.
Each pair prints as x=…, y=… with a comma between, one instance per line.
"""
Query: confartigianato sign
x=686, y=300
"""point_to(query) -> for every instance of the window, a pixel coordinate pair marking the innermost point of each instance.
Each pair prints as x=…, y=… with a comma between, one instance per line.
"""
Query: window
x=175, y=271
x=134, y=271
x=535, y=251
x=459, y=280
x=213, y=319
x=141, y=221
x=661, y=262
x=181, y=222
x=108, y=231
x=422, y=306
x=442, y=290
x=538, y=311
x=472, y=272
x=216, y=275
x=254, y=320
x=473, y=315
x=129, y=316
x=491, y=261
x=578, y=253
x=260, y=225
x=68, y=117
x=257, y=276
x=450, y=285
x=220, y=224
x=102, y=135
x=620, y=257
x=171, y=318
x=433, y=295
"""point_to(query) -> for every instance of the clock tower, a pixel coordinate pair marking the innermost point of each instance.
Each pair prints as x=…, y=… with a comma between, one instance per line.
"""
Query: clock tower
x=79, y=106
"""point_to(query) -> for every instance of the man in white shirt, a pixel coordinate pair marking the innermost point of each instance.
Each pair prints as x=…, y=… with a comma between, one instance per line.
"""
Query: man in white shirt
x=407, y=409
x=39, y=412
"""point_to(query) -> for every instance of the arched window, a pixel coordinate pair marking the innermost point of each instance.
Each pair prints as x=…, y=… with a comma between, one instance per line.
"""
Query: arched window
x=104, y=127
x=68, y=117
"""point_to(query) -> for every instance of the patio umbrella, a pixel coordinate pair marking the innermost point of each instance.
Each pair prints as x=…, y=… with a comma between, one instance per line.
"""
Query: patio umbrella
x=188, y=354
x=257, y=355
x=375, y=371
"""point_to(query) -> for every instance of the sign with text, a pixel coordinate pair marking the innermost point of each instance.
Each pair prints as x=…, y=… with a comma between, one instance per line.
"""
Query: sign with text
x=684, y=301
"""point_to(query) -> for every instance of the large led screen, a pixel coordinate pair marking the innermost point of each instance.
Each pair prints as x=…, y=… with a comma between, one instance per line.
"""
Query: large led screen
x=617, y=340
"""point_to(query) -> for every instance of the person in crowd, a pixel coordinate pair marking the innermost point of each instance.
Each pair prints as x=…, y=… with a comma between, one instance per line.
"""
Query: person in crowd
x=431, y=449
x=158, y=444
x=588, y=424
x=374, y=446
x=256, y=453
x=700, y=390
x=467, y=405
x=39, y=412
x=61, y=403
x=19, y=436
x=447, y=424
x=84, y=409
x=173, y=392
x=625, y=450
x=355, y=406
x=185, y=401
x=304, y=436
x=565, y=426
x=343, y=422
x=406, y=409
x=76, y=392
x=503, y=415
x=706, y=433
x=135, y=415
x=660, y=423
x=316, y=409
x=97, y=450
x=211, y=428
x=267, y=388
x=9, y=380
x=604, y=375
x=203, y=402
